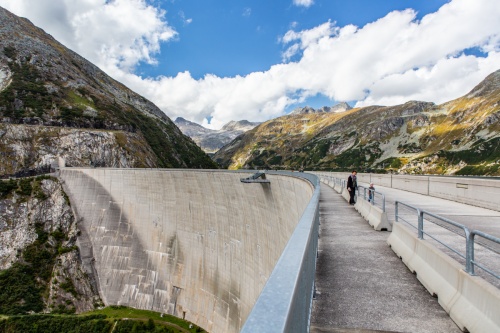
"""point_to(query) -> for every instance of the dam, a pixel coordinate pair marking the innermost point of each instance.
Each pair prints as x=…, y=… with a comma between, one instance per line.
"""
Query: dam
x=233, y=253
x=200, y=245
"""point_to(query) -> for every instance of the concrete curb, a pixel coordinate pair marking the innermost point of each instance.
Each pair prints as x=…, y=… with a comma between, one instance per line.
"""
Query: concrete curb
x=472, y=303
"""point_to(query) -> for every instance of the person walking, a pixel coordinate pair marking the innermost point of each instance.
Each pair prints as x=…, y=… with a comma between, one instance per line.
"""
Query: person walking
x=352, y=185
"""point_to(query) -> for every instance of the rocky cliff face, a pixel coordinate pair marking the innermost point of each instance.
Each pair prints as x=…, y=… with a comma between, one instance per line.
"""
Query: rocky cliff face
x=40, y=264
x=32, y=145
x=44, y=84
x=458, y=137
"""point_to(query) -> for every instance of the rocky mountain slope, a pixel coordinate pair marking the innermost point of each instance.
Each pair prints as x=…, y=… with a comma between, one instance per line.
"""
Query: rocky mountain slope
x=212, y=140
x=54, y=102
x=40, y=269
x=341, y=107
x=458, y=137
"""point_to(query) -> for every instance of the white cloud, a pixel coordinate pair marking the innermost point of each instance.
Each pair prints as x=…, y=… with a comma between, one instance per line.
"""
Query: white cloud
x=247, y=12
x=184, y=19
x=306, y=38
x=390, y=61
x=304, y=3
x=117, y=33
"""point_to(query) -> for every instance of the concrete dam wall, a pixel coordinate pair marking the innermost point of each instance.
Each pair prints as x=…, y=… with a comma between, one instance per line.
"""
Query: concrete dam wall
x=196, y=244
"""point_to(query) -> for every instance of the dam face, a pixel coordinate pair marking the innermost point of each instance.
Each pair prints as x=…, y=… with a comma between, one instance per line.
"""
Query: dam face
x=196, y=244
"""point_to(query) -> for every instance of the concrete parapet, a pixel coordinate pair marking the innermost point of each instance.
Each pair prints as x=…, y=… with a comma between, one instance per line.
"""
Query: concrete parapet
x=379, y=179
x=473, y=303
x=416, y=184
x=196, y=244
x=473, y=191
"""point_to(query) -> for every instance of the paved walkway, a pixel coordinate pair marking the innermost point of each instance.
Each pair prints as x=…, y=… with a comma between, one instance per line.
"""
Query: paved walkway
x=483, y=219
x=473, y=217
x=362, y=286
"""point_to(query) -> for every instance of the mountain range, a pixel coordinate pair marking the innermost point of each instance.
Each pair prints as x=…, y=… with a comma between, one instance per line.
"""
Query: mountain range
x=56, y=105
x=212, y=140
x=460, y=137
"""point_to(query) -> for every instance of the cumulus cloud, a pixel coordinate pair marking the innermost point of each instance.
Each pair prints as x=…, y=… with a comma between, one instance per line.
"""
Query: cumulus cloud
x=112, y=34
x=303, y=3
x=303, y=39
x=389, y=61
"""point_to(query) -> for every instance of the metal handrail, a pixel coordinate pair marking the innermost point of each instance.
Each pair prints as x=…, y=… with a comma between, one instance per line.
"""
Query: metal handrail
x=469, y=236
x=374, y=193
x=470, y=251
x=285, y=303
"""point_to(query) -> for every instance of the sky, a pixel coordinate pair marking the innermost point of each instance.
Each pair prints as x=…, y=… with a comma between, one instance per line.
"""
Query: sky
x=213, y=61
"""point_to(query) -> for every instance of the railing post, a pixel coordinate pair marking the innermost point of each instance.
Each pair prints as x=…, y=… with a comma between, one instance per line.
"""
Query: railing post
x=396, y=212
x=469, y=251
x=383, y=202
x=420, y=224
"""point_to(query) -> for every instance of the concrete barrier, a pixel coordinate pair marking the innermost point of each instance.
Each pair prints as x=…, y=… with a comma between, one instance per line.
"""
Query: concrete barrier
x=373, y=214
x=345, y=194
x=363, y=207
x=200, y=245
x=378, y=219
x=472, y=303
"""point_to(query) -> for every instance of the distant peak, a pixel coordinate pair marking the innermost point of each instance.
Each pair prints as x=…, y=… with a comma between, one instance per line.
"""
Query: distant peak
x=340, y=107
x=240, y=125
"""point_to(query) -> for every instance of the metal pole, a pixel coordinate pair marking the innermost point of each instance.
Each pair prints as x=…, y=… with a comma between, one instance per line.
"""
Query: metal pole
x=420, y=224
x=396, y=212
x=469, y=251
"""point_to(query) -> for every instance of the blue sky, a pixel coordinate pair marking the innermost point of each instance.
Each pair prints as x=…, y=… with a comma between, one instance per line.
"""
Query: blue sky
x=242, y=36
x=253, y=59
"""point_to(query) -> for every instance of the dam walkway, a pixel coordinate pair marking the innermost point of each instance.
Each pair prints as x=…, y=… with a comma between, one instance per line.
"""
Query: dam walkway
x=361, y=284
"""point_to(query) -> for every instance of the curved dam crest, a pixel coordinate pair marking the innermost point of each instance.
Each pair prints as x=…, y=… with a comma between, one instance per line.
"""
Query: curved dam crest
x=196, y=244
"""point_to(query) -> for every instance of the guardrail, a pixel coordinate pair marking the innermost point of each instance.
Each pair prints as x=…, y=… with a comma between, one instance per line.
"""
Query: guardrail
x=285, y=302
x=371, y=196
x=469, y=235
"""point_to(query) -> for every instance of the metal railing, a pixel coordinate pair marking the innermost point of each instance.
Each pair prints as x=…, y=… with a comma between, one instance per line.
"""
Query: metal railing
x=469, y=235
x=285, y=303
x=374, y=197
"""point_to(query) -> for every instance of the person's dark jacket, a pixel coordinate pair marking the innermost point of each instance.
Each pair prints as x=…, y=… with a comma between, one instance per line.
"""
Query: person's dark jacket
x=352, y=182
